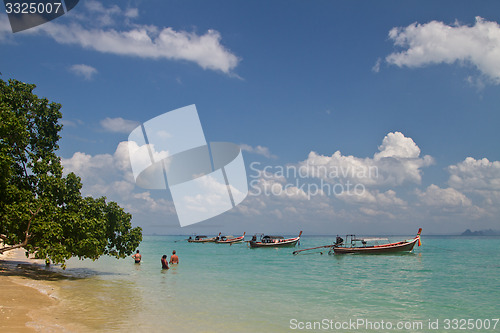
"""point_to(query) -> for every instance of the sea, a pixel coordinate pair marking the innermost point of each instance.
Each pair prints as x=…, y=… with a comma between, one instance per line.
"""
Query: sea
x=449, y=284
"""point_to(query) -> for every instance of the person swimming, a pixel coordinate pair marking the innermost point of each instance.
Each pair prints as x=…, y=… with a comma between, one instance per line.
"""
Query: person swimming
x=174, y=259
x=164, y=263
x=137, y=257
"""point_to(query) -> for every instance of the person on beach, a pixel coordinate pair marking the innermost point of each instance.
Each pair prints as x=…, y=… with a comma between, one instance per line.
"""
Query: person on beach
x=174, y=259
x=137, y=257
x=164, y=263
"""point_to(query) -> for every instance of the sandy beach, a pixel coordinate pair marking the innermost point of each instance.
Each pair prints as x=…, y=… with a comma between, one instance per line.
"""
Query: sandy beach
x=36, y=298
x=25, y=299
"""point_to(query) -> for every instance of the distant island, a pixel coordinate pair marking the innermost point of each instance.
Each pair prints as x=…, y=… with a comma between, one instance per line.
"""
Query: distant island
x=488, y=232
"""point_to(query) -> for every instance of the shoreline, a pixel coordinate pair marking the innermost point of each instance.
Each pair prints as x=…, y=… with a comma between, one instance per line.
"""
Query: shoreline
x=26, y=297
x=36, y=298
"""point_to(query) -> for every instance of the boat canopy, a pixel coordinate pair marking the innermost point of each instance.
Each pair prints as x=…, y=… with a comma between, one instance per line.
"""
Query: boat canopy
x=273, y=237
x=370, y=239
x=200, y=237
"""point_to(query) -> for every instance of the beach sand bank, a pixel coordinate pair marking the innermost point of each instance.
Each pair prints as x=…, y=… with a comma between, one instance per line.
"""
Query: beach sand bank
x=36, y=298
x=25, y=298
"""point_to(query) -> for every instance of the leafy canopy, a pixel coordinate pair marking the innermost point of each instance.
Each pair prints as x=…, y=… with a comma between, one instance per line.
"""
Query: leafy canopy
x=40, y=209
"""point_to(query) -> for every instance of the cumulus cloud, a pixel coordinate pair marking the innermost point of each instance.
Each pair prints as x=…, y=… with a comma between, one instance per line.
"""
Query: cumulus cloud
x=83, y=70
x=259, y=150
x=478, y=178
x=276, y=200
x=275, y=185
x=473, y=175
x=375, y=212
x=110, y=175
x=100, y=165
x=118, y=125
x=272, y=196
x=397, y=162
x=443, y=197
x=436, y=42
x=379, y=199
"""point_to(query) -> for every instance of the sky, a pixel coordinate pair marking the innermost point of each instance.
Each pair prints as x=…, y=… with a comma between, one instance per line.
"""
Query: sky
x=368, y=117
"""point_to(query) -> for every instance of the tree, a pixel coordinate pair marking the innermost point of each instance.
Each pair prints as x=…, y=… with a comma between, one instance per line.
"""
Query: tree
x=40, y=209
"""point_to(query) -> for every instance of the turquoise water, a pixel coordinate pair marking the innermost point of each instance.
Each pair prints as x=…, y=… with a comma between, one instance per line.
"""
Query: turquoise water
x=234, y=288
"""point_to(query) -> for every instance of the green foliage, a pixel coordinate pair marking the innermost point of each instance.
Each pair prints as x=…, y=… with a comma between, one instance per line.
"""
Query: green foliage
x=40, y=209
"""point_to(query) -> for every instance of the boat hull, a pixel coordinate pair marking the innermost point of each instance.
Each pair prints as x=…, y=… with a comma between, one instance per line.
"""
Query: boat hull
x=231, y=241
x=208, y=240
x=378, y=249
x=285, y=243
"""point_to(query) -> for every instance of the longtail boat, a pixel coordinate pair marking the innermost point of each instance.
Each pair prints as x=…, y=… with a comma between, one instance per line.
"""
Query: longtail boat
x=368, y=245
x=230, y=239
x=273, y=241
x=201, y=239
x=360, y=245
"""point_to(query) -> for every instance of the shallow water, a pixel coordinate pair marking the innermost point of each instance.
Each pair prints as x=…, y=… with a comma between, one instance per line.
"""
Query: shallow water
x=234, y=288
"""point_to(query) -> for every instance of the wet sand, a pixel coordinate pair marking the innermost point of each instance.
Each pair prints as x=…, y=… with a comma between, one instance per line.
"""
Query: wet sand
x=25, y=300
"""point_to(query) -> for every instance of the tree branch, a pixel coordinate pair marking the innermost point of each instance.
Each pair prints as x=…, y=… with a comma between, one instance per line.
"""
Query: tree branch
x=26, y=234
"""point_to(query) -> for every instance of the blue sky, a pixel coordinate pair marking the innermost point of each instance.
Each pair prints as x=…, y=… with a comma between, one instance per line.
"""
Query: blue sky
x=411, y=88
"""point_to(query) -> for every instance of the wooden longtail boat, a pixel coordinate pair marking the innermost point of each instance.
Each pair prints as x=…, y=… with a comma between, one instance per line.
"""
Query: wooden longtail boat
x=230, y=239
x=273, y=241
x=352, y=245
x=201, y=239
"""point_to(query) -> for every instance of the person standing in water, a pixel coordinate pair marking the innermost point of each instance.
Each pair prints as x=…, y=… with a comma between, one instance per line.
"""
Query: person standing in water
x=137, y=257
x=174, y=259
x=164, y=263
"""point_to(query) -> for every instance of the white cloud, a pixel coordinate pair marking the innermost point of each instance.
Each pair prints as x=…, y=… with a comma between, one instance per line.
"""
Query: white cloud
x=104, y=16
x=436, y=42
x=473, y=175
x=68, y=123
x=108, y=30
x=396, y=145
x=374, y=212
x=479, y=179
x=98, y=7
x=259, y=150
x=278, y=203
x=99, y=30
x=149, y=42
x=83, y=70
x=118, y=125
x=132, y=12
x=110, y=175
x=380, y=199
x=398, y=161
x=275, y=185
x=376, y=67
x=443, y=198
